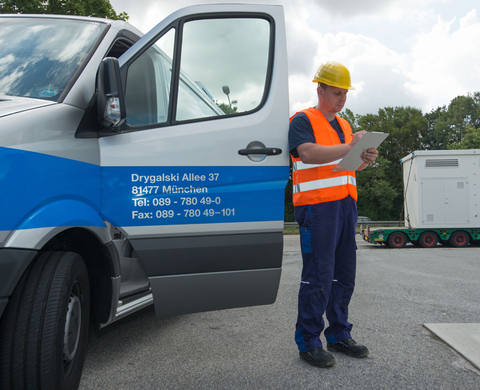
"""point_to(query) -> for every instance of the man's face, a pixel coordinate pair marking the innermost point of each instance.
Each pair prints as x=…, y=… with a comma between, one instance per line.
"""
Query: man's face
x=332, y=99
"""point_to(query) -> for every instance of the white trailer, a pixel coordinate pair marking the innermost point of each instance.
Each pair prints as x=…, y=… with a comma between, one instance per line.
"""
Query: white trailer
x=441, y=192
x=442, y=188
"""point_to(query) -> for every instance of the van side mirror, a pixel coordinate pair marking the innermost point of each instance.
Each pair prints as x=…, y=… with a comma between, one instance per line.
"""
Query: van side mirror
x=110, y=97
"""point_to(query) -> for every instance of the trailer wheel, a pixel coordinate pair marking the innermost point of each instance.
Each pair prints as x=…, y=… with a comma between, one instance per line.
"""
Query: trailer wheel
x=44, y=329
x=459, y=239
x=397, y=240
x=428, y=239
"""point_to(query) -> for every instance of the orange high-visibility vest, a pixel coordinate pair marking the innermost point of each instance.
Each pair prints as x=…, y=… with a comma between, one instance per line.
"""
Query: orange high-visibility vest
x=318, y=183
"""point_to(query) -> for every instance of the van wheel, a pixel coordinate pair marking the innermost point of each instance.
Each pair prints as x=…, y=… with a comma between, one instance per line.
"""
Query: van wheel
x=44, y=329
x=459, y=239
x=428, y=240
x=397, y=240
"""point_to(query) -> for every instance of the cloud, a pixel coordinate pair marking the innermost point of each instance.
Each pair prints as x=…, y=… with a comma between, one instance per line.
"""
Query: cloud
x=378, y=74
x=303, y=42
x=420, y=53
x=231, y=52
x=432, y=67
x=446, y=62
x=349, y=8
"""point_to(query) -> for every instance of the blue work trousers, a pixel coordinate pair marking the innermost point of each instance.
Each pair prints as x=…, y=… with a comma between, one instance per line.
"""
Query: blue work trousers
x=327, y=235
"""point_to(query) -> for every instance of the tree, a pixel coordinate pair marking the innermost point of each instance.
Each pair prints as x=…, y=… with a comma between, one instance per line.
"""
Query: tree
x=376, y=194
x=226, y=108
x=406, y=127
x=448, y=126
x=438, y=130
x=351, y=118
x=94, y=8
x=470, y=140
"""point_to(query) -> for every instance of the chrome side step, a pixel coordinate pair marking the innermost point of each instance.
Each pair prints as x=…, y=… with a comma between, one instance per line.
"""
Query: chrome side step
x=124, y=309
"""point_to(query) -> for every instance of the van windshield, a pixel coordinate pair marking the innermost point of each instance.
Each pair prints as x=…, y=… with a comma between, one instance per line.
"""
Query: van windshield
x=39, y=57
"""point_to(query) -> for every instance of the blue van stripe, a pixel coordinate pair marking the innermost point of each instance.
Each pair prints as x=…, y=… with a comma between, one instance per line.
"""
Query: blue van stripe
x=35, y=183
x=31, y=181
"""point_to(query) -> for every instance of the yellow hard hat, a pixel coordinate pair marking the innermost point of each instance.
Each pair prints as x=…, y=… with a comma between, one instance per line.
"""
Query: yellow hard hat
x=335, y=74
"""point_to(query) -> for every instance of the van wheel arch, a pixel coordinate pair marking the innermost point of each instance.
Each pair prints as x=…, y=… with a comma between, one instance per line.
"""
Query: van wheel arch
x=101, y=261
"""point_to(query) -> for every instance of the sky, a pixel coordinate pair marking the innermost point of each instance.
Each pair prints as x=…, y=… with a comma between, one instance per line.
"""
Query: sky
x=417, y=53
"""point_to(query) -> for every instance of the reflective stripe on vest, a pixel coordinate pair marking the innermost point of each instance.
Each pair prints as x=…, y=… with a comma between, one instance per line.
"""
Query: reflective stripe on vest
x=324, y=183
x=318, y=183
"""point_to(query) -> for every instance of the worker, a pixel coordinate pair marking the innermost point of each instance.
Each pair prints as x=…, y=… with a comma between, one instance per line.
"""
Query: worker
x=326, y=210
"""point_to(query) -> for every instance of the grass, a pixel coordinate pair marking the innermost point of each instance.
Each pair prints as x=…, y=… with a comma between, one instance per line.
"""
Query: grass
x=290, y=230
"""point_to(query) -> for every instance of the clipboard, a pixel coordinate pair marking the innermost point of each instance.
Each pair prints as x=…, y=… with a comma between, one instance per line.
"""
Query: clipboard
x=353, y=159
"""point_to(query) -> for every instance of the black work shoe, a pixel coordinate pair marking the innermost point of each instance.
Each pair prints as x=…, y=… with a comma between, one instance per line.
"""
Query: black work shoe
x=349, y=347
x=318, y=357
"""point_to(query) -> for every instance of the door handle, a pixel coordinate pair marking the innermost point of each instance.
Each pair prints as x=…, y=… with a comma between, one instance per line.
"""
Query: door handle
x=267, y=151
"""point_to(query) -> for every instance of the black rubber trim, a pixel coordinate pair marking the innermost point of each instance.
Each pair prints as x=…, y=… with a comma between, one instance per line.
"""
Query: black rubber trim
x=203, y=254
x=183, y=294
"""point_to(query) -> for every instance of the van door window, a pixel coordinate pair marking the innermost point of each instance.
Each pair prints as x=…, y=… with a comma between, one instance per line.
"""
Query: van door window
x=148, y=85
x=224, y=67
x=224, y=64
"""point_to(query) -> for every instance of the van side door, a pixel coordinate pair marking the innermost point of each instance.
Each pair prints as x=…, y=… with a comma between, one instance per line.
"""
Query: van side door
x=195, y=177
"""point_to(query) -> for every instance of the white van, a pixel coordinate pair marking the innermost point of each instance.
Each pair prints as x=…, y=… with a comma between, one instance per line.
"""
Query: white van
x=135, y=170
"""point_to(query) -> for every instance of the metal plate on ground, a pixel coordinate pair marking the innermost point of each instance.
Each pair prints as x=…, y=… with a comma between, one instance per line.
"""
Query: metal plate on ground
x=463, y=338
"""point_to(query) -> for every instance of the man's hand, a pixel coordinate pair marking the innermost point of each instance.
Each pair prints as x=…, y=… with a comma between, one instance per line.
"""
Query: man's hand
x=356, y=137
x=369, y=156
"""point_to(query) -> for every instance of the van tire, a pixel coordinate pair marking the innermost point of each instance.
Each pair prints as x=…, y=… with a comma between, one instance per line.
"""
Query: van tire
x=44, y=329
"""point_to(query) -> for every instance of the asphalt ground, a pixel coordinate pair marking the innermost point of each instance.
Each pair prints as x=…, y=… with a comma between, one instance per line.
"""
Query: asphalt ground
x=397, y=292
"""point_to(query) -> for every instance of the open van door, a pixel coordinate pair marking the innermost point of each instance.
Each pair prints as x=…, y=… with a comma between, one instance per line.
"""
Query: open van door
x=194, y=177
